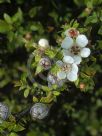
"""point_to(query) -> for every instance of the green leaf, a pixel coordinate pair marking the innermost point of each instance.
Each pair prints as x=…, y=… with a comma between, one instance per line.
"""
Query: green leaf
x=83, y=75
x=34, y=11
x=45, y=88
x=90, y=71
x=18, y=16
x=38, y=69
x=35, y=99
x=37, y=57
x=7, y=18
x=92, y=19
x=4, y=27
x=18, y=128
x=26, y=92
x=47, y=99
x=100, y=31
x=54, y=15
x=2, y=1
x=55, y=69
x=12, y=134
x=50, y=53
x=77, y=82
x=37, y=27
x=56, y=93
x=10, y=36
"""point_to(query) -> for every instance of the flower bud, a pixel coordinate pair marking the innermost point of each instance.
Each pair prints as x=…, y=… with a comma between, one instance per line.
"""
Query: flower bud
x=45, y=63
x=43, y=43
x=39, y=111
x=4, y=112
x=72, y=32
x=82, y=86
x=28, y=36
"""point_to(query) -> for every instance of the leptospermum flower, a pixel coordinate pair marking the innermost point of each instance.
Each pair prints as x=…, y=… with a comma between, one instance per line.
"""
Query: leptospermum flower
x=54, y=80
x=76, y=48
x=68, y=69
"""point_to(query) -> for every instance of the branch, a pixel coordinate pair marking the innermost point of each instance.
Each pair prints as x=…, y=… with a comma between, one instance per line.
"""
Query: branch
x=24, y=112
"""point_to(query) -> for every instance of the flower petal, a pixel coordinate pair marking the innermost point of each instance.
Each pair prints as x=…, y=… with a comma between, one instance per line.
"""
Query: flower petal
x=85, y=52
x=74, y=68
x=72, y=76
x=68, y=59
x=66, y=52
x=82, y=40
x=51, y=79
x=61, y=75
x=67, y=43
x=77, y=59
x=59, y=63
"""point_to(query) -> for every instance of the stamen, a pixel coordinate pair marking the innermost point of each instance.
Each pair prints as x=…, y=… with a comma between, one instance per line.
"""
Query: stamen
x=66, y=67
x=45, y=63
x=75, y=50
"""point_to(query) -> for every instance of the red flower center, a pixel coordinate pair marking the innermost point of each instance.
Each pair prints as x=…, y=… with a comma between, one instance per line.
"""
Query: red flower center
x=73, y=33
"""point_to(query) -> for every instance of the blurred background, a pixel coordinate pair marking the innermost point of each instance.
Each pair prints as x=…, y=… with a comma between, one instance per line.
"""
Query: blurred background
x=77, y=112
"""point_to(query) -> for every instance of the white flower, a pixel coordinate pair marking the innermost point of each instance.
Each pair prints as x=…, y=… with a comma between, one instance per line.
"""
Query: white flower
x=85, y=52
x=54, y=80
x=72, y=32
x=76, y=49
x=43, y=43
x=67, y=43
x=68, y=69
x=82, y=40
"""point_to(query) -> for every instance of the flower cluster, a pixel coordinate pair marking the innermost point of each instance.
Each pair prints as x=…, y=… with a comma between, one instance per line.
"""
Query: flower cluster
x=73, y=49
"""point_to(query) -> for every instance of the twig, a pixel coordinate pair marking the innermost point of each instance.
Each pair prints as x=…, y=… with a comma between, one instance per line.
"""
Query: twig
x=19, y=115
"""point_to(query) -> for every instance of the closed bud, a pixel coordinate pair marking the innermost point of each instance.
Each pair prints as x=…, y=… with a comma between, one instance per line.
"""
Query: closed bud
x=72, y=32
x=28, y=36
x=82, y=86
x=43, y=43
x=39, y=111
x=4, y=112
